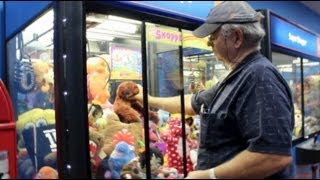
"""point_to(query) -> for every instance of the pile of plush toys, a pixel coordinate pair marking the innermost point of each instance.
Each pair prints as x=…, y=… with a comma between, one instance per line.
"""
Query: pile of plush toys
x=36, y=151
x=116, y=136
x=116, y=131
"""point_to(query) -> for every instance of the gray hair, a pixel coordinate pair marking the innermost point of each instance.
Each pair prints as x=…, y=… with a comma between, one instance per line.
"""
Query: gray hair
x=253, y=33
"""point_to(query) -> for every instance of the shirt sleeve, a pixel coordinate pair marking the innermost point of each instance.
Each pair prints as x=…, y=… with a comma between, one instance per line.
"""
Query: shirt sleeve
x=265, y=116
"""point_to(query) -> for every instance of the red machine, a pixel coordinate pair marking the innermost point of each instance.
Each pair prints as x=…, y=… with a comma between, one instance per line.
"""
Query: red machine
x=8, y=130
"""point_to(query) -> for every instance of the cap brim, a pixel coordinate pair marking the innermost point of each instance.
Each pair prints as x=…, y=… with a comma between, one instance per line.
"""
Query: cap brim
x=205, y=30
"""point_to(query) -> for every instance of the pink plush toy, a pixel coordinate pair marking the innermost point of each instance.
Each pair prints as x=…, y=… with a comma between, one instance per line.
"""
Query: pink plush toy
x=173, y=140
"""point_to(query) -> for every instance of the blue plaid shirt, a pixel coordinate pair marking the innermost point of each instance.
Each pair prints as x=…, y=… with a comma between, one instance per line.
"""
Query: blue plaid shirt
x=251, y=109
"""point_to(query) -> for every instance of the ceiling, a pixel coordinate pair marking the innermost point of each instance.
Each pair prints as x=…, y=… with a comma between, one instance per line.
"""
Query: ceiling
x=313, y=5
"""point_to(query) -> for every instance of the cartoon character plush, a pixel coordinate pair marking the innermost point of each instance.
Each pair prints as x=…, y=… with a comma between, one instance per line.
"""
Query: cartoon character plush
x=121, y=155
x=173, y=141
x=130, y=110
x=41, y=150
x=97, y=80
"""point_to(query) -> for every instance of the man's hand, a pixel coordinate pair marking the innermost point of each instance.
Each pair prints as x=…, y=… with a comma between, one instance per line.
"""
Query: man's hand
x=139, y=96
x=200, y=174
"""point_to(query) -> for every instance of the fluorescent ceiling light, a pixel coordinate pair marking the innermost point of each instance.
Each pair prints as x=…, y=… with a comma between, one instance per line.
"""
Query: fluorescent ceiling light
x=98, y=37
x=118, y=26
x=116, y=18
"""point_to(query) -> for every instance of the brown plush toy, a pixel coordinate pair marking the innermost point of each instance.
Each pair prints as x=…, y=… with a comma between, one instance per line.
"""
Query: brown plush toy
x=130, y=110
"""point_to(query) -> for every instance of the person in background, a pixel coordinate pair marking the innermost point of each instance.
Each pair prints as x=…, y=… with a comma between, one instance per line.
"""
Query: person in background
x=247, y=119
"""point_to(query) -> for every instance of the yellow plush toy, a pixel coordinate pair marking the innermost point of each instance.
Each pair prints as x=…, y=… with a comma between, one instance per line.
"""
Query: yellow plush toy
x=36, y=117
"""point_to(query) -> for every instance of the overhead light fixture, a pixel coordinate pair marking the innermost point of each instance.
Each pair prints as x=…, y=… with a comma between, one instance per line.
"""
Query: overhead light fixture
x=94, y=19
x=98, y=37
x=121, y=19
x=118, y=26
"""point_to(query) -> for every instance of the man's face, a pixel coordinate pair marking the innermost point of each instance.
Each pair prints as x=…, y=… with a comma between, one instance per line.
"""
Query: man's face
x=217, y=42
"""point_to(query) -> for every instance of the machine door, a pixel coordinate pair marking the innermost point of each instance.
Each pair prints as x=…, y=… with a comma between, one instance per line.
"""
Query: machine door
x=119, y=51
x=31, y=87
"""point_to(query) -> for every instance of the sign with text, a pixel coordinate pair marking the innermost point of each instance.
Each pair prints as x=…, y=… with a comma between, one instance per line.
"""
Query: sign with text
x=163, y=35
x=292, y=37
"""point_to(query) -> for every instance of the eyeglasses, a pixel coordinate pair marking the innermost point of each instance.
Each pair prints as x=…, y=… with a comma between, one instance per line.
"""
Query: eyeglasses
x=213, y=36
x=210, y=42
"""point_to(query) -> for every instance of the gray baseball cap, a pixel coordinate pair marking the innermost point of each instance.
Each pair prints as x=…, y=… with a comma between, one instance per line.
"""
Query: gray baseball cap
x=227, y=12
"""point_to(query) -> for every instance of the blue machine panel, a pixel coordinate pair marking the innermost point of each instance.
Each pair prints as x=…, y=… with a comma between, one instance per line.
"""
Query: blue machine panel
x=292, y=37
x=19, y=13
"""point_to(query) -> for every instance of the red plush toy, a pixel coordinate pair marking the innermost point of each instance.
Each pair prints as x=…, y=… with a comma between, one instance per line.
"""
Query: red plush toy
x=130, y=110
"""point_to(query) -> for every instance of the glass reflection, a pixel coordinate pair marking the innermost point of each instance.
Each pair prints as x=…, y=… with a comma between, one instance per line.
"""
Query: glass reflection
x=311, y=86
x=290, y=69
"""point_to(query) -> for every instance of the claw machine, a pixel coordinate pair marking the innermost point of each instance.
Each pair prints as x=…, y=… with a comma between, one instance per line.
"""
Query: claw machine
x=295, y=51
x=70, y=70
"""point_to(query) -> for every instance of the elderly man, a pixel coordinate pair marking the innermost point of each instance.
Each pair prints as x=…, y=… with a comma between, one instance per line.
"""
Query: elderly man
x=247, y=118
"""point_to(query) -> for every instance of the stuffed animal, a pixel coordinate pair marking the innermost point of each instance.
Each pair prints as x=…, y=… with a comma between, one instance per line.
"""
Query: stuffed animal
x=114, y=126
x=94, y=112
x=47, y=172
x=130, y=110
x=132, y=170
x=153, y=152
x=173, y=140
x=97, y=80
x=43, y=71
x=169, y=173
x=297, y=122
x=40, y=123
x=194, y=126
x=95, y=144
x=121, y=155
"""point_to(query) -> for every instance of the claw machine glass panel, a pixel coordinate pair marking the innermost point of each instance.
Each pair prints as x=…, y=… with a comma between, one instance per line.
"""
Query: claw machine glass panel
x=164, y=61
x=295, y=52
x=114, y=67
x=290, y=69
x=311, y=86
x=174, y=60
x=31, y=85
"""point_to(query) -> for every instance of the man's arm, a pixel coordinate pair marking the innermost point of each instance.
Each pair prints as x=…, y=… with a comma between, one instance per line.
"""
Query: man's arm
x=170, y=104
x=247, y=164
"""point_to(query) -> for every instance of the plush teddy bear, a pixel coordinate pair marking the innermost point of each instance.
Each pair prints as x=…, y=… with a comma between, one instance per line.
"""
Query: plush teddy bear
x=43, y=71
x=130, y=110
x=173, y=141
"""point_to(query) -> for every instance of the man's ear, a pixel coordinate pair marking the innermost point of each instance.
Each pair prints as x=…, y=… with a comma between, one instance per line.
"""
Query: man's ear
x=238, y=38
